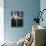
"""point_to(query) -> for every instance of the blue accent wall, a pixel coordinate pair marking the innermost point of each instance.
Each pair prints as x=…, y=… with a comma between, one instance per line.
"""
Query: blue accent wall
x=29, y=7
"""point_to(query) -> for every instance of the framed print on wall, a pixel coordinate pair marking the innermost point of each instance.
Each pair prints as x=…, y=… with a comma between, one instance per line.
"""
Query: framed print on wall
x=16, y=18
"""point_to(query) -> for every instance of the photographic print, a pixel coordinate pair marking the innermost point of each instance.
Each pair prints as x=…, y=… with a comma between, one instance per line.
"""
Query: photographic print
x=16, y=18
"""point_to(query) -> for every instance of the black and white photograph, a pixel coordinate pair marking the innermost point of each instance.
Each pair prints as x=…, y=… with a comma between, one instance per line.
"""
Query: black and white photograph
x=16, y=18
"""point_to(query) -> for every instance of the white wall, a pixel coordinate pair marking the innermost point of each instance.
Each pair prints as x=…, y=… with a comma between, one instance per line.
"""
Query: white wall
x=1, y=20
x=43, y=6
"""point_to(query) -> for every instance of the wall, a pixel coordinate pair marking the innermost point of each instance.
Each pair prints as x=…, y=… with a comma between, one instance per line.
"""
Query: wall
x=29, y=7
x=1, y=20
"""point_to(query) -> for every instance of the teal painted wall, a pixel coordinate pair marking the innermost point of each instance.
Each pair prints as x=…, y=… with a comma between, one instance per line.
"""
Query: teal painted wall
x=29, y=7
